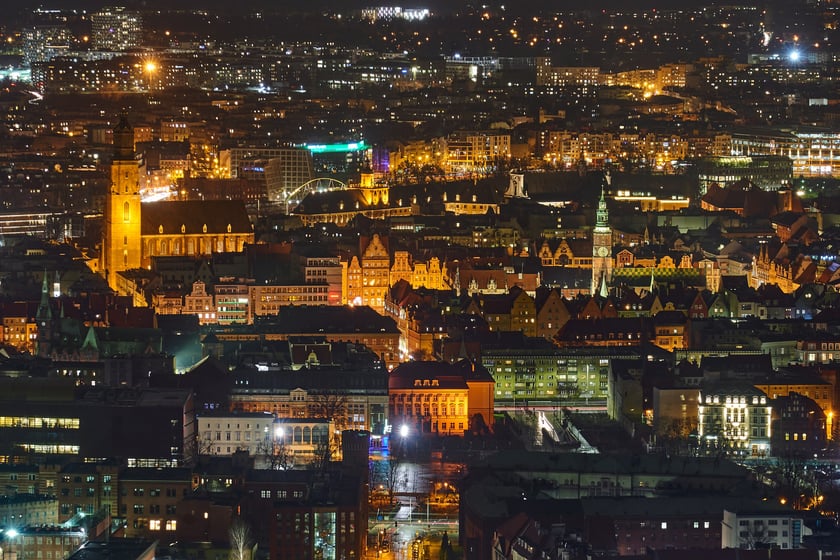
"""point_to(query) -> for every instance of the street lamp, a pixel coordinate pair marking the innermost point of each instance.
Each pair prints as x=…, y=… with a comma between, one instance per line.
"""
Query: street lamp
x=404, y=431
x=12, y=534
x=150, y=68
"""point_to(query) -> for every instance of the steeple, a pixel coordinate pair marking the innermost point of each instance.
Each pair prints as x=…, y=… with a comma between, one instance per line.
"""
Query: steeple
x=44, y=318
x=604, y=289
x=44, y=311
x=602, y=216
x=123, y=139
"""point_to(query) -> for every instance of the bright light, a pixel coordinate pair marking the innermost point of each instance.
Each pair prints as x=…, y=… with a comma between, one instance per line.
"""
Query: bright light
x=150, y=67
x=794, y=56
x=278, y=432
x=404, y=430
x=12, y=533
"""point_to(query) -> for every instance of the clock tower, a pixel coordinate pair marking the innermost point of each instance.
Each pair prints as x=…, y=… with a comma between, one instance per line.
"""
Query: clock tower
x=121, y=244
x=602, y=245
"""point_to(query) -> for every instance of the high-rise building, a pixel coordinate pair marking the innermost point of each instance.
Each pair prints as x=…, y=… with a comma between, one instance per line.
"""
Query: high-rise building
x=116, y=29
x=44, y=42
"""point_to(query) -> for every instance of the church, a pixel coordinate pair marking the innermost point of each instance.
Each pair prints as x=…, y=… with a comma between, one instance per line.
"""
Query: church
x=134, y=232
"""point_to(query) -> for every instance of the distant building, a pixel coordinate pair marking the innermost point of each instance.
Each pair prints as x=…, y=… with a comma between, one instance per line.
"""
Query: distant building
x=149, y=500
x=46, y=421
x=798, y=427
x=308, y=513
x=768, y=172
x=224, y=433
x=762, y=526
x=43, y=541
x=116, y=29
x=735, y=418
x=440, y=398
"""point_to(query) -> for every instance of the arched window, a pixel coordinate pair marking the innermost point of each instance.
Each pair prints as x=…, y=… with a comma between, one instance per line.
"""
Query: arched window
x=298, y=435
x=307, y=434
x=126, y=212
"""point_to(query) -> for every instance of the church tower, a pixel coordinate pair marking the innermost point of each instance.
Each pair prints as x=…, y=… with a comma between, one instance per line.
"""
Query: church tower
x=602, y=260
x=44, y=319
x=121, y=244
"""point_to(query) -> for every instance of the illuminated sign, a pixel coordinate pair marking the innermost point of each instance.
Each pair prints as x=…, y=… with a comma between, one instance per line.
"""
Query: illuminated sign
x=336, y=148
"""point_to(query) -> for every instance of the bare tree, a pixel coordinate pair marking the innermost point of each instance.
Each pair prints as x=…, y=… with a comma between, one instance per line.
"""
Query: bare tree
x=241, y=542
x=394, y=474
x=753, y=536
x=204, y=446
x=332, y=406
x=276, y=454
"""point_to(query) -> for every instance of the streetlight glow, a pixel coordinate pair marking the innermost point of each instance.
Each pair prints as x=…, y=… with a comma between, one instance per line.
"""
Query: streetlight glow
x=404, y=430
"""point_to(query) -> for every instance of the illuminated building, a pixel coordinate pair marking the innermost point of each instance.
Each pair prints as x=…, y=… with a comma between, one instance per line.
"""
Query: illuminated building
x=602, y=246
x=268, y=299
x=368, y=275
x=198, y=302
x=548, y=75
x=121, y=244
x=735, y=418
x=191, y=228
x=224, y=433
x=475, y=152
x=116, y=29
x=768, y=172
x=395, y=12
x=45, y=42
x=329, y=271
x=438, y=398
x=418, y=274
x=814, y=152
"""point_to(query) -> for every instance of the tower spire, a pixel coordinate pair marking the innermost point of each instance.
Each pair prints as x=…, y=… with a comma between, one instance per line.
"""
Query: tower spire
x=43, y=318
x=602, y=217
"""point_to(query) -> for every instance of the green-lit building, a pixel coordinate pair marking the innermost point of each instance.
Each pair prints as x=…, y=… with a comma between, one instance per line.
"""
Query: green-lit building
x=768, y=172
x=531, y=371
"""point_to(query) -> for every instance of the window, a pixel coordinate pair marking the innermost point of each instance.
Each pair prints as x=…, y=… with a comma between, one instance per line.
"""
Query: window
x=154, y=524
x=664, y=525
x=171, y=525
